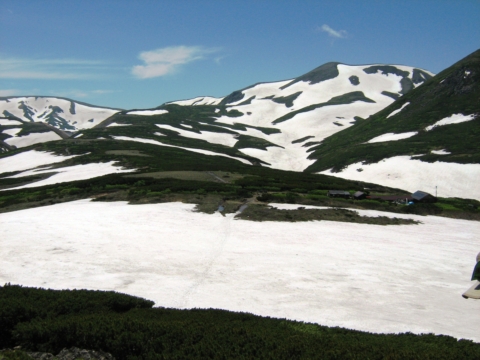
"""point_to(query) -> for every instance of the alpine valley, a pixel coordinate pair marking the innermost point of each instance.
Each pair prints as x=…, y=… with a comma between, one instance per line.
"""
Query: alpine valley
x=293, y=199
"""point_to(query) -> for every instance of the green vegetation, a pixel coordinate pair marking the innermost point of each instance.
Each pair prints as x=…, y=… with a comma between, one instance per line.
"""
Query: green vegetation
x=265, y=213
x=324, y=72
x=450, y=92
x=33, y=127
x=302, y=139
x=129, y=328
x=245, y=141
x=287, y=100
x=354, y=80
x=394, y=96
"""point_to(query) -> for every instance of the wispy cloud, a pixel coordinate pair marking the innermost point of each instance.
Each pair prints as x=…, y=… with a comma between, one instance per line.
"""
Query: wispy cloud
x=339, y=34
x=167, y=60
x=49, y=69
x=76, y=93
x=9, y=92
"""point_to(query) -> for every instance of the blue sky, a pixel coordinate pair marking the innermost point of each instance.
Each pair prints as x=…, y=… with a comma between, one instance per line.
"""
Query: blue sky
x=140, y=54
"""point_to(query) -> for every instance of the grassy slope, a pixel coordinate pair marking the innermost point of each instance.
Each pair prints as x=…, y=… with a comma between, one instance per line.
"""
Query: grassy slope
x=129, y=328
x=450, y=92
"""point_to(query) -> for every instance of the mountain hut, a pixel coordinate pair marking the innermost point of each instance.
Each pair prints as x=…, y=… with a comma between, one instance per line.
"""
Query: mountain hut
x=359, y=195
x=423, y=197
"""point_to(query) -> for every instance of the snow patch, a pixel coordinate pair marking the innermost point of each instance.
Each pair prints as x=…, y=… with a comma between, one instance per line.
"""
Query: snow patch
x=440, y=152
x=154, y=142
x=147, y=112
x=33, y=138
x=392, y=137
x=212, y=137
x=12, y=132
x=6, y=122
x=70, y=173
x=454, y=119
x=398, y=110
x=116, y=124
x=29, y=160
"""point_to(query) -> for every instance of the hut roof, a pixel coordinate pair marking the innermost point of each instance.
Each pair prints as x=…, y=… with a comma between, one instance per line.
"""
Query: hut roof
x=419, y=195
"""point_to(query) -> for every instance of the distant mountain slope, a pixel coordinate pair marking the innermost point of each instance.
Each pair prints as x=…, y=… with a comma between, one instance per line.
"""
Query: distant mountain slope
x=437, y=124
x=64, y=114
x=301, y=112
x=267, y=124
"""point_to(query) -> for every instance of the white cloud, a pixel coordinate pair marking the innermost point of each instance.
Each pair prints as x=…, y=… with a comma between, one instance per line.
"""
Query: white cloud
x=52, y=69
x=167, y=60
x=76, y=93
x=340, y=34
x=9, y=92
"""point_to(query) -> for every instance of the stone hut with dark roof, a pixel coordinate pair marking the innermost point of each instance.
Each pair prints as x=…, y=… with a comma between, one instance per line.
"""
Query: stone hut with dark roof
x=423, y=197
x=359, y=195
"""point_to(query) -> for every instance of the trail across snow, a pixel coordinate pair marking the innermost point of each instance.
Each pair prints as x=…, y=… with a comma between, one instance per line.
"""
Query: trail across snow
x=368, y=277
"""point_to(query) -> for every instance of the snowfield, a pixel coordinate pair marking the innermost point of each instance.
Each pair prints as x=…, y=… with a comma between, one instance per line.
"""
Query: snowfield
x=6, y=122
x=392, y=137
x=405, y=172
x=32, y=138
x=70, y=173
x=29, y=160
x=200, y=151
x=211, y=137
x=368, y=277
x=454, y=119
x=147, y=112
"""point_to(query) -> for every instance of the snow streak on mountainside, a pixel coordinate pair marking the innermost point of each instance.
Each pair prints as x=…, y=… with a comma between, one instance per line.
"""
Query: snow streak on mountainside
x=60, y=113
x=309, y=108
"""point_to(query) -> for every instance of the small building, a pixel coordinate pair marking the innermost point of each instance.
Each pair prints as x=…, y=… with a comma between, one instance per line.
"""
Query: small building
x=423, y=197
x=359, y=195
x=339, y=193
x=396, y=199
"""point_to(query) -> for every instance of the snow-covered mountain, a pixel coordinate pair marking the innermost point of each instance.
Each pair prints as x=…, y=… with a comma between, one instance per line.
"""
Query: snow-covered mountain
x=307, y=109
x=287, y=117
x=293, y=124
x=63, y=114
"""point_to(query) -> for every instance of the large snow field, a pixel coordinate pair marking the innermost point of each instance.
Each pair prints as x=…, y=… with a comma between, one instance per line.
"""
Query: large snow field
x=33, y=138
x=404, y=172
x=368, y=277
x=29, y=160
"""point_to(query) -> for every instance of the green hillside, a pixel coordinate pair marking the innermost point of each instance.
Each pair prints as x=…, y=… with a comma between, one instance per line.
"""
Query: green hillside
x=453, y=91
